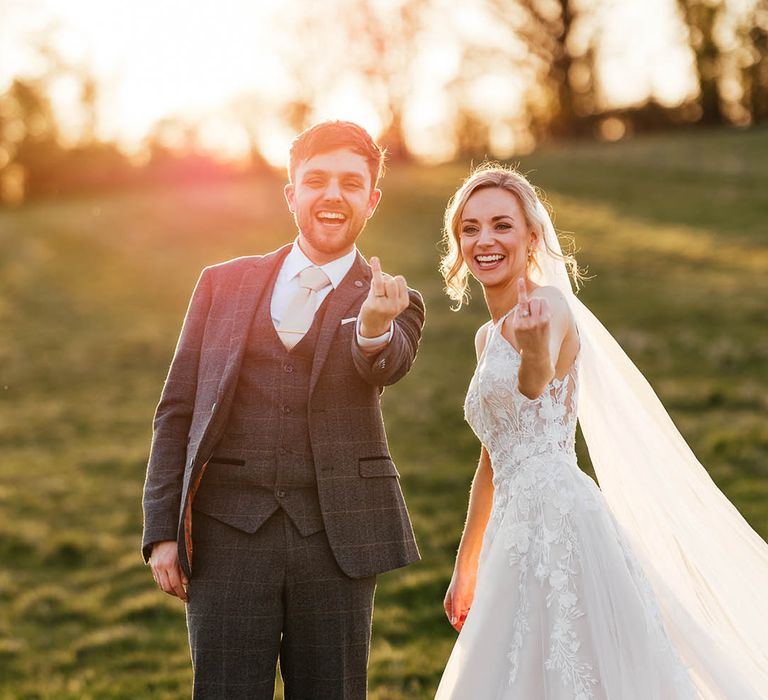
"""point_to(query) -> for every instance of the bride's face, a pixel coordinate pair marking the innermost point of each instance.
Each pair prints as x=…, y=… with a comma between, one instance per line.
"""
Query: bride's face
x=495, y=237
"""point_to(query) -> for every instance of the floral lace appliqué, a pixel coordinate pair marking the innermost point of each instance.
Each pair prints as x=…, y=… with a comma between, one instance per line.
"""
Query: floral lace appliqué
x=541, y=505
x=531, y=443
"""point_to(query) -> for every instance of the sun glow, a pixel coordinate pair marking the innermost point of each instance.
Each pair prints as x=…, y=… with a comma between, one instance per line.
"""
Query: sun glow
x=217, y=69
x=162, y=60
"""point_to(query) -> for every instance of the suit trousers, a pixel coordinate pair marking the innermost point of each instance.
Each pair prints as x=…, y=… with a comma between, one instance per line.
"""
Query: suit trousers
x=257, y=597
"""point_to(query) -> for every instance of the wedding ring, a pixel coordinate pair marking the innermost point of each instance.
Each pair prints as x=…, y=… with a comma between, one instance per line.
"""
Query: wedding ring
x=525, y=313
x=380, y=295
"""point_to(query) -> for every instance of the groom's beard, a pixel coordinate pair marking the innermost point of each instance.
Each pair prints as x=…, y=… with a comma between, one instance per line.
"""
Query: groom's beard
x=327, y=240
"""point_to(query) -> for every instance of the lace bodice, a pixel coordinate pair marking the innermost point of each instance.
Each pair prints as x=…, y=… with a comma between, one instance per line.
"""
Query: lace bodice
x=513, y=427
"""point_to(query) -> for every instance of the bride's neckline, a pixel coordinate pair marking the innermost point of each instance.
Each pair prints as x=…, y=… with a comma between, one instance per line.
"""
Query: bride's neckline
x=495, y=324
x=497, y=327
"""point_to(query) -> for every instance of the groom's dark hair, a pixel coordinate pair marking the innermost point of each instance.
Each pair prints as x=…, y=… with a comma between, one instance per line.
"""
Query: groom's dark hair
x=331, y=136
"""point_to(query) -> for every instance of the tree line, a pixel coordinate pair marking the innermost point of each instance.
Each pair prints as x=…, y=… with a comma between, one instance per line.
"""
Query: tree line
x=545, y=56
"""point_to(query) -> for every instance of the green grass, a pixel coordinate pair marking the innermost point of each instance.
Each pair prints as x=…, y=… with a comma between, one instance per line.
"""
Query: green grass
x=92, y=292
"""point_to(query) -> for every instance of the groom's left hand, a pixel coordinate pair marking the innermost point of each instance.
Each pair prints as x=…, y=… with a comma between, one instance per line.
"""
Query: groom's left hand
x=387, y=299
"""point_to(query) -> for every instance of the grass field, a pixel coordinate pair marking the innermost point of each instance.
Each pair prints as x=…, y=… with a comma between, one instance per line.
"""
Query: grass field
x=92, y=292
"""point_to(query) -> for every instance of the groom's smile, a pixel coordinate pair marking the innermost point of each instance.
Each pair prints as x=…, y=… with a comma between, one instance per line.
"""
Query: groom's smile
x=335, y=219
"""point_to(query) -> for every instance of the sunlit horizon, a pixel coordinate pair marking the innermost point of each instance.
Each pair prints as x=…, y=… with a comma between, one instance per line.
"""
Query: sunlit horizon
x=168, y=61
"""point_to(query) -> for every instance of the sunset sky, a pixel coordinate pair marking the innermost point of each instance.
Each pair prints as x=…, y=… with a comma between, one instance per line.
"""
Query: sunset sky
x=193, y=59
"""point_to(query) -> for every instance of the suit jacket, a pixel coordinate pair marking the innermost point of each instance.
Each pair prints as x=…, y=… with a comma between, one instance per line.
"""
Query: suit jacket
x=363, y=509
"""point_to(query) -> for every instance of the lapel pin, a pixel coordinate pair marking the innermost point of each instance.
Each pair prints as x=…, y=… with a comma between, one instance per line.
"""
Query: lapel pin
x=358, y=283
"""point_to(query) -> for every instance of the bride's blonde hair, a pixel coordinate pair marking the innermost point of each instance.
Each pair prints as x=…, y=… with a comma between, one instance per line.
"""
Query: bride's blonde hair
x=490, y=174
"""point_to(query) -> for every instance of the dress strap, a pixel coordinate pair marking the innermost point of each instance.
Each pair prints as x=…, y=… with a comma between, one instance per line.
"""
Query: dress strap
x=499, y=323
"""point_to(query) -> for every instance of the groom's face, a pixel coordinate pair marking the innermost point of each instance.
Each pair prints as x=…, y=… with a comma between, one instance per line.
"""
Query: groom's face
x=331, y=199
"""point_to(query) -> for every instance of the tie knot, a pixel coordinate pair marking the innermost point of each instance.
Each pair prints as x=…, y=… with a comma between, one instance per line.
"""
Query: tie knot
x=313, y=278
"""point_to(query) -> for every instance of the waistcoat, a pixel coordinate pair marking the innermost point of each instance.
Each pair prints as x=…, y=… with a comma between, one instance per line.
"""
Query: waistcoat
x=263, y=460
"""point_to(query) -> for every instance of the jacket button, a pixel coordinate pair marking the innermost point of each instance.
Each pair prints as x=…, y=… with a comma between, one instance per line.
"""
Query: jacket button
x=280, y=493
x=281, y=450
x=288, y=368
x=286, y=409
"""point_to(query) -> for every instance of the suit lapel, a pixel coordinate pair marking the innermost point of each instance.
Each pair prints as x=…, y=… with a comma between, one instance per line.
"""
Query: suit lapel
x=252, y=288
x=352, y=289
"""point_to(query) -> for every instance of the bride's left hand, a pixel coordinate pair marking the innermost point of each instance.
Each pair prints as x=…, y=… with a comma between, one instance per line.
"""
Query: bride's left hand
x=530, y=322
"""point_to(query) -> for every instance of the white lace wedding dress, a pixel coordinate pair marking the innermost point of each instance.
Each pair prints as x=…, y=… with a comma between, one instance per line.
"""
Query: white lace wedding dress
x=562, y=608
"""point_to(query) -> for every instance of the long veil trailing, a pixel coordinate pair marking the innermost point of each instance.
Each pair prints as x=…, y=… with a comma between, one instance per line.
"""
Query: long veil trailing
x=706, y=565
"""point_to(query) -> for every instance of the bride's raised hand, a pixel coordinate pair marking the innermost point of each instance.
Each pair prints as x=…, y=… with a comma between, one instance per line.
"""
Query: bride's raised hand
x=458, y=598
x=530, y=322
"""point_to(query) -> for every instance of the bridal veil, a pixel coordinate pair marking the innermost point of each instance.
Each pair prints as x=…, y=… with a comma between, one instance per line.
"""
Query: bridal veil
x=707, y=566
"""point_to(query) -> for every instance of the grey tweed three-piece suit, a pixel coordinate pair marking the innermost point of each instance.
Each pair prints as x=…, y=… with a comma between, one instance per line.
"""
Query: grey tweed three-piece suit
x=271, y=470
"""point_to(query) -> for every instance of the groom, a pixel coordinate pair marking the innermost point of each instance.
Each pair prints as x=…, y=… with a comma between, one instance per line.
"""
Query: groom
x=271, y=500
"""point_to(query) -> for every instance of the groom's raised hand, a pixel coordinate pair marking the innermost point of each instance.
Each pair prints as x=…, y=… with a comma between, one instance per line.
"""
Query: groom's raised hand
x=387, y=298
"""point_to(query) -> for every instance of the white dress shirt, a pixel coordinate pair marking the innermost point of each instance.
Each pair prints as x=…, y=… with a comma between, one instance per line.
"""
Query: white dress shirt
x=287, y=284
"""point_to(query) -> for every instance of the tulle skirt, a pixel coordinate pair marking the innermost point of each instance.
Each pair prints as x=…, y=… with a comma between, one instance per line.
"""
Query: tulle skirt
x=562, y=609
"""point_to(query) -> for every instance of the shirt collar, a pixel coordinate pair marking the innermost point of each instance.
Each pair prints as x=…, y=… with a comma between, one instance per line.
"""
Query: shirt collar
x=296, y=261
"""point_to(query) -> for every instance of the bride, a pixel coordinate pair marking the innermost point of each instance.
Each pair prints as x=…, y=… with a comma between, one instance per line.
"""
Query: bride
x=652, y=587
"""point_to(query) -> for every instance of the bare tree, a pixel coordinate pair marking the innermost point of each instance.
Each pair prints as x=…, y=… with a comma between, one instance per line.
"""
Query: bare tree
x=755, y=74
x=701, y=18
x=370, y=44
x=29, y=136
x=560, y=37
x=387, y=46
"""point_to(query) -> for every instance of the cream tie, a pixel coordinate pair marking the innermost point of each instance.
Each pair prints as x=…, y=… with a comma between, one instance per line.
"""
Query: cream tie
x=300, y=312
